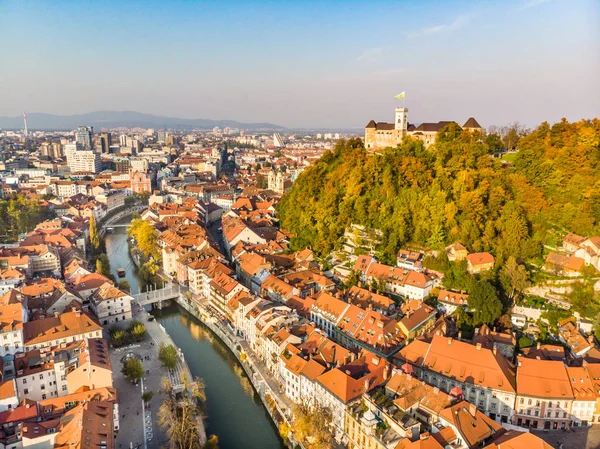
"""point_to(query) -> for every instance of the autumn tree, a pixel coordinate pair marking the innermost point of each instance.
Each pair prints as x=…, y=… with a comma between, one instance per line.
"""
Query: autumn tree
x=145, y=238
x=514, y=278
x=312, y=426
x=180, y=417
x=103, y=265
x=94, y=235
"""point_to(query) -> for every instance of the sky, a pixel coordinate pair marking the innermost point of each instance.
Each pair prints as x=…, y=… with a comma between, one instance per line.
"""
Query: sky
x=312, y=64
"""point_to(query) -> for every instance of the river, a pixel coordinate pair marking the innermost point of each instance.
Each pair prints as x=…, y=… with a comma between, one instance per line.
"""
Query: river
x=235, y=413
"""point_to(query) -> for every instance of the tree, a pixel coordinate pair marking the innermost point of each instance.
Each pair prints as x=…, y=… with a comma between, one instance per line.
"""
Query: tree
x=133, y=369
x=94, y=235
x=137, y=331
x=167, y=354
x=212, y=442
x=198, y=389
x=312, y=426
x=514, y=278
x=147, y=396
x=180, y=417
x=352, y=280
x=261, y=181
x=484, y=303
x=103, y=265
x=118, y=336
x=583, y=299
x=124, y=285
x=145, y=237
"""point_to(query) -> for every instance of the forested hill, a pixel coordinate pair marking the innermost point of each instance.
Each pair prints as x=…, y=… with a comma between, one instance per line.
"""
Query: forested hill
x=453, y=191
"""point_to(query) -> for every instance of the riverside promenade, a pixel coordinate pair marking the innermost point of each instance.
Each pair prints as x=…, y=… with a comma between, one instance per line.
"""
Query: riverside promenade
x=276, y=403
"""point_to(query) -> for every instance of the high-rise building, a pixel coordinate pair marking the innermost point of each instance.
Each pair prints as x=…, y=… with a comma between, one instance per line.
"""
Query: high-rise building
x=84, y=135
x=278, y=140
x=105, y=142
x=84, y=161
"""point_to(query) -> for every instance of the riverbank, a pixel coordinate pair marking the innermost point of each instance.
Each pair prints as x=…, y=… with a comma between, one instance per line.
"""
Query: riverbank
x=239, y=411
x=275, y=402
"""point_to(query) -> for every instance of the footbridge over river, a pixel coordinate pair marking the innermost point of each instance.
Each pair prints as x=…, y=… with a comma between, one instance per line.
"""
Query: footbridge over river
x=169, y=292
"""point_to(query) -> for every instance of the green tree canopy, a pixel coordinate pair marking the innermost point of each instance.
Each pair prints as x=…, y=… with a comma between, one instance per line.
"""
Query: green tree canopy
x=133, y=369
x=483, y=303
x=167, y=354
x=452, y=191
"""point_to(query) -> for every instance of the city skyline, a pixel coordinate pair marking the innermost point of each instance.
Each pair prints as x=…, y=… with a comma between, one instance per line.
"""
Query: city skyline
x=330, y=65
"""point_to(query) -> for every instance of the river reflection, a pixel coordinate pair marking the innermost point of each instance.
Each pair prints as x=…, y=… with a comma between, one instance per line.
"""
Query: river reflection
x=235, y=413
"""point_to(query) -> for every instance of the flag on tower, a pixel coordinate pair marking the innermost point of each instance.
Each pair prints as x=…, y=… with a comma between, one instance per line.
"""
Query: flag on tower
x=400, y=95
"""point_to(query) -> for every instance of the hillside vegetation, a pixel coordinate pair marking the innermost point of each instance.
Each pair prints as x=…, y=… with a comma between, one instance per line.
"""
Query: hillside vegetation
x=452, y=191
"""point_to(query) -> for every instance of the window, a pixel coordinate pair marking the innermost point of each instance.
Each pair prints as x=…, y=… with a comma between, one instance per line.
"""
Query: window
x=24, y=381
x=25, y=391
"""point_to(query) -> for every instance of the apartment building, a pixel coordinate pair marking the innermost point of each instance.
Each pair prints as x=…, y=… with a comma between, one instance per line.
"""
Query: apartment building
x=483, y=376
x=64, y=328
x=110, y=304
x=544, y=395
x=12, y=319
x=52, y=372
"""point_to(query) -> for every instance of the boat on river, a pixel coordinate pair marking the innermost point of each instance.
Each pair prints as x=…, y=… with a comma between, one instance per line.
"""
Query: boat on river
x=121, y=272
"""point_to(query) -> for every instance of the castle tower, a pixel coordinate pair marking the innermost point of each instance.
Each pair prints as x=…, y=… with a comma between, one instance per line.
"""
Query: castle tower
x=401, y=122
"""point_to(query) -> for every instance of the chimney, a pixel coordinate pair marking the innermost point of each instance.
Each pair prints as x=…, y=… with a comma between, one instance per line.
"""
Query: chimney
x=472, y=410
x=56, y=314
x=476, y=331
x=494, y=349
x=449, y=341
x=591, y=339
x=478, y=346
x=539, y=345
x=367, y=384
x=424, y=436
x=460, y=335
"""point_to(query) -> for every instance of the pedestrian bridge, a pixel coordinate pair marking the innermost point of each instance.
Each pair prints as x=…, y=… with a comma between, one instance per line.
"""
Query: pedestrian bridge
x=170, y=291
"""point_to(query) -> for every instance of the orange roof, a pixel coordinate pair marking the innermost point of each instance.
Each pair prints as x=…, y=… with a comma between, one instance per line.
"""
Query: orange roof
x=301, y=305
x=518, y=440
x=571, y=263
x=11, y=317
x=480, y=259
x=107, y=291
x=362, y=297
x=8, y=390
x=467, y=363
x=474, y=426
x=350, y=381
x=581, y=384
x=329, y=305
x=543, y=378
x=425, y=441
x=55, y=328
x=453, y=297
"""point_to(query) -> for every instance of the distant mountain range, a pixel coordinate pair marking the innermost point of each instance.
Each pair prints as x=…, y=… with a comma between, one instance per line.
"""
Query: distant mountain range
x=116, y=119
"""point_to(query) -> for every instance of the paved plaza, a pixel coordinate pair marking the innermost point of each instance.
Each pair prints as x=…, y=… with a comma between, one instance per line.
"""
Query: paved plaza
x=135, y=421
x=578, y=438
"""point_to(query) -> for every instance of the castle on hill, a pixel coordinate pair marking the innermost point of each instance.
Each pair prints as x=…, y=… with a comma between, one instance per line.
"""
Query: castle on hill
x=382, y=135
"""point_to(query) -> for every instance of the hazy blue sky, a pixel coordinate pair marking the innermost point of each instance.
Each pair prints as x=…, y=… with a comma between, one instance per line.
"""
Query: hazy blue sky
x=304, y=64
